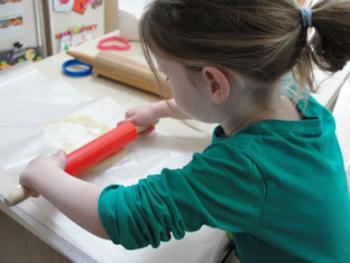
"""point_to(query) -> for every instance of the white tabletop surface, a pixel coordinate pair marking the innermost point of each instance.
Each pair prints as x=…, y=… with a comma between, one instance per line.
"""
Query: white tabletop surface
x=127, y=97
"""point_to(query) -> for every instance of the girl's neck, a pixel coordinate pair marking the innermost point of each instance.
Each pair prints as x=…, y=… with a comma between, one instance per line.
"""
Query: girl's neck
x=247, y=113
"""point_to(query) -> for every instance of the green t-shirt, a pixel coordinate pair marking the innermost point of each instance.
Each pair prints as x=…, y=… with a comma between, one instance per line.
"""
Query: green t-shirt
x=279, y=186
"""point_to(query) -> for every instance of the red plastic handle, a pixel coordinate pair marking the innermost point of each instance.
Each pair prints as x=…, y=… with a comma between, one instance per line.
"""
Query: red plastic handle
x=101, y=148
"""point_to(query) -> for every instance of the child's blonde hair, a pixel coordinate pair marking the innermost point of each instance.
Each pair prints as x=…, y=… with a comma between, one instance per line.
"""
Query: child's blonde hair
x=260, y=40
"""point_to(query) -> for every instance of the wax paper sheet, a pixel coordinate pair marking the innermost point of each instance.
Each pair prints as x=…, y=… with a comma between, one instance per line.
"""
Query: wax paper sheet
x=41, y=115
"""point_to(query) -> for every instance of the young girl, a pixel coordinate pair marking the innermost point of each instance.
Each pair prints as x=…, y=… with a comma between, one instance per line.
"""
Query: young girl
x=273, y=174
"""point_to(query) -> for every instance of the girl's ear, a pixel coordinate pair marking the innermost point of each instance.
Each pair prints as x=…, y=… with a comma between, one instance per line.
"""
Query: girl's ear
x=218, y=84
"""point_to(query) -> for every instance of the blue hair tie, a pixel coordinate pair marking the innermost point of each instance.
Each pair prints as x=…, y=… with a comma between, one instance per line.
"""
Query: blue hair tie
x=306, y=14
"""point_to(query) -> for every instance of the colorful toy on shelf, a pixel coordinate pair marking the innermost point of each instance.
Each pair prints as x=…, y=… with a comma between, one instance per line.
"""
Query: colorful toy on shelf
x=16, y=21
x=17, y=52
x=30, y=54
x=4, y=65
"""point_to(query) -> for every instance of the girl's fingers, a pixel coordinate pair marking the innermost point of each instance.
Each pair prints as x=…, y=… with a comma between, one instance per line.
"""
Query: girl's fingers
x=35, y=195
x=62, y=158
x=148, y=130
x=129, y=114
x=124, y=121
x=121, y=122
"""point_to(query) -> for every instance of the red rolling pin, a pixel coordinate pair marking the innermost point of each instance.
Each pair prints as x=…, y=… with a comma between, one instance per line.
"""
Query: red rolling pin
x=89, y=155
x=101, y=148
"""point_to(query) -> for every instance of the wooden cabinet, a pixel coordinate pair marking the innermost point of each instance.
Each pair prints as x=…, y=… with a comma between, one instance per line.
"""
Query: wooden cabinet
x=18, y=245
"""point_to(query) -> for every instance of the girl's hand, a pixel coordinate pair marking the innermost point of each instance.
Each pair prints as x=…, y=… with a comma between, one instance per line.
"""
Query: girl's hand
x=41, y=167
x=144, y=116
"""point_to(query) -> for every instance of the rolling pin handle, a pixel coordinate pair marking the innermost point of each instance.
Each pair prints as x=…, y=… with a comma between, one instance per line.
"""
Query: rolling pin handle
x=19, y=195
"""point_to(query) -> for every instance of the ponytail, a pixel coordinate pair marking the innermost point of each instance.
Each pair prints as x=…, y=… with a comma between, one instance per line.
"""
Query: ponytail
x=329, y=46
x=332, y=38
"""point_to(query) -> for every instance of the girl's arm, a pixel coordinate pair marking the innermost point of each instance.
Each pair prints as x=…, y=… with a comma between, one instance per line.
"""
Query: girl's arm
x=76, y=198
x=168, y=108
x=149, y=115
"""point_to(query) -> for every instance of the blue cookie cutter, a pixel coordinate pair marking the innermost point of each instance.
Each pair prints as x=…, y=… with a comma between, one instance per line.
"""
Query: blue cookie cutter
x=85, y=70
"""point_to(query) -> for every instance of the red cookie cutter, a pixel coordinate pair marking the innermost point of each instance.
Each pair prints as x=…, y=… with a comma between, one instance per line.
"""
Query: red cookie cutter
x=103, y=44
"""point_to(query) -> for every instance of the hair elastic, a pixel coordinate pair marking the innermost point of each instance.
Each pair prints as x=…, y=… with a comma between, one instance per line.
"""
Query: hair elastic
x=85, y=69
x=306, y=14
x=102, y=44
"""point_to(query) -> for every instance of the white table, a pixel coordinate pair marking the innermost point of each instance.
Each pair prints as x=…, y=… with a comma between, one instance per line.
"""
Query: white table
x=128, y=97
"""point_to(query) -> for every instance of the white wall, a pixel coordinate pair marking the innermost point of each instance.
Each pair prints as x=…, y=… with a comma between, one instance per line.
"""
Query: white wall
x=130, y=12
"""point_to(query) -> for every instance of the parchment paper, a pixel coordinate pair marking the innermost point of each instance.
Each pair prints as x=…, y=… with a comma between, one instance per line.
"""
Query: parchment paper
x=40, y=115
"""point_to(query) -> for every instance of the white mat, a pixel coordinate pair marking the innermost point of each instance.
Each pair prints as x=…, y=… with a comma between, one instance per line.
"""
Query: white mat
x=40, y=115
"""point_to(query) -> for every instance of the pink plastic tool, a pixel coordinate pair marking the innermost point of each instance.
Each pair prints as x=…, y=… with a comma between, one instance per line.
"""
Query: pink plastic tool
x=103, y=44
